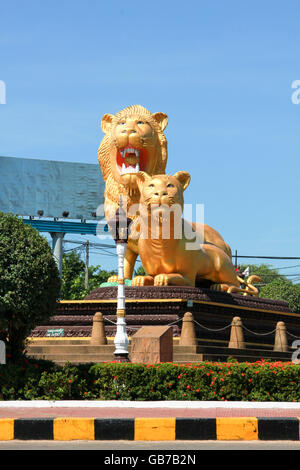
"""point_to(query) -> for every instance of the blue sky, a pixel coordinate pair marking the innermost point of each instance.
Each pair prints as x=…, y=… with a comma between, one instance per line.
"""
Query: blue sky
x=222, y=71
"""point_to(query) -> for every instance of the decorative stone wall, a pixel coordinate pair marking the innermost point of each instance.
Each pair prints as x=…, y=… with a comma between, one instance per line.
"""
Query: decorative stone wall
x=212, y=311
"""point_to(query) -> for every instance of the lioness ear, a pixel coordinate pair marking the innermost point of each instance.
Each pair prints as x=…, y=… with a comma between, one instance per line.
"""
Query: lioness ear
x=183, y=177
x=141, y=177
x=106, y=122
x=162, y=119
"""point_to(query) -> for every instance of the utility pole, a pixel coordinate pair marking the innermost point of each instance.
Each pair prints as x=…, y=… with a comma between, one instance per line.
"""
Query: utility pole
x=86, y=280
x=236, y=263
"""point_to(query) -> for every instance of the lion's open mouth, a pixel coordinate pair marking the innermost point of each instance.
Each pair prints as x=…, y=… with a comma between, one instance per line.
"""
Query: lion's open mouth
x=131, y=160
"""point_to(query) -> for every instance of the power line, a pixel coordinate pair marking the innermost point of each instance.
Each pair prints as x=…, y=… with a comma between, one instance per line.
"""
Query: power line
x=289, y=267
x=267, y=257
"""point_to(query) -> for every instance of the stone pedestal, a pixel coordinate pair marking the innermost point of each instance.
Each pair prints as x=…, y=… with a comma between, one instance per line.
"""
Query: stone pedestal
x=152, y=344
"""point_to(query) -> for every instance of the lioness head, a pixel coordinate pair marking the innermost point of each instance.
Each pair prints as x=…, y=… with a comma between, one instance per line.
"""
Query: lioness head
x=159, y=192
x=133, y=142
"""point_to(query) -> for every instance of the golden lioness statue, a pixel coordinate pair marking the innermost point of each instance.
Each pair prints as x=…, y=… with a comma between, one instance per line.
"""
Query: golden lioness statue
x=134, y=141
x=172, y=259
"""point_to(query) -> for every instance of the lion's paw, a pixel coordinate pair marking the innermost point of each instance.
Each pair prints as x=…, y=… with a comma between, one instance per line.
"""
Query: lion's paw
x=142, y=281
x=113, y=278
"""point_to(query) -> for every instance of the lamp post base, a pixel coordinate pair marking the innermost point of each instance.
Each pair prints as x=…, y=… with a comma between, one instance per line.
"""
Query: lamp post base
x=118, y=357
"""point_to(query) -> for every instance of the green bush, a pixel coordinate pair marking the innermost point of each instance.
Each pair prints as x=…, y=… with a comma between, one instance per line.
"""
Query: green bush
x=29, y=282
x=233, y=381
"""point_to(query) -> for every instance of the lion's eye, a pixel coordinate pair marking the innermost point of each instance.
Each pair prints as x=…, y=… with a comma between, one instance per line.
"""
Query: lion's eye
x=140, y=122
x=151, y=185
x=122, y=123
x=170, y=185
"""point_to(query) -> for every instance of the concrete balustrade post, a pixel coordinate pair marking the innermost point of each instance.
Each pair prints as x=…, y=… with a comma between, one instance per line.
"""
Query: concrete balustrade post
x=280, y=343
x=236, y=334
x=188, y=335
x=98, y=331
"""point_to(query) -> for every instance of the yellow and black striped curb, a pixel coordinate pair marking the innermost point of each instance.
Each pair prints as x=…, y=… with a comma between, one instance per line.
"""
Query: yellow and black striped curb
x=150, y=429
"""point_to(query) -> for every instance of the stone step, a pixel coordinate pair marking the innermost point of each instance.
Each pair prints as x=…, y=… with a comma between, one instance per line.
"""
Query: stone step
x=61, y=353
x=89, y=349
x=57, y=342
x=75, y=358
x=70, y=349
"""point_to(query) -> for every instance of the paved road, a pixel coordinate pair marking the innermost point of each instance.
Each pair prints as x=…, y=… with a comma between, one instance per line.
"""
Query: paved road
x=108, y=447
x=125, y=409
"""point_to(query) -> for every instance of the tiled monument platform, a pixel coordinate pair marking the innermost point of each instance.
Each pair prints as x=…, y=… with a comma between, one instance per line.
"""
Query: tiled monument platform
x=212, y=311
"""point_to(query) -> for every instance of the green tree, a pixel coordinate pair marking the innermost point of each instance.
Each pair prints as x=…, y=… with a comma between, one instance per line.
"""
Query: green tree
x=72, y=267
x=140, y=271
x=73, y=277
x=275, y=286
x=266, y=272
x=280, y=289
x=29, y=281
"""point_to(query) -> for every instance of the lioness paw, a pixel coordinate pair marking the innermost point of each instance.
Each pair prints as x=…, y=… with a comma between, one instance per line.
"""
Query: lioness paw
x=161, y=280
x=142, y=281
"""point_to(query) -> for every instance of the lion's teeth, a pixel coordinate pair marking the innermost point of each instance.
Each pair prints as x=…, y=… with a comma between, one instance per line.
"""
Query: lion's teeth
x=129, y=169
x=129, y=150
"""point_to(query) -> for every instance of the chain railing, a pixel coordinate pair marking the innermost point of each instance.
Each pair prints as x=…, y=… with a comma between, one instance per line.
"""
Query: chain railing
x=216, y=330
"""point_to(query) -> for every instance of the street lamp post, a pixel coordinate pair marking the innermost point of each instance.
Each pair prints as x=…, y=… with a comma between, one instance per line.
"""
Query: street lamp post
x=119, y=228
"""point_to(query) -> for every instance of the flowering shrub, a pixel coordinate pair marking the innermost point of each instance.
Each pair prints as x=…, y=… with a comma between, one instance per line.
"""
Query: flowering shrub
x=206, y=381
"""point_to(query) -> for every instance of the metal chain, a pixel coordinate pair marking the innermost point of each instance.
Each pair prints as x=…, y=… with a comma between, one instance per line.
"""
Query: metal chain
x=173, y=323
x=210, y=329
x=218, y=329
x=293, y=336
x=259, y=334
x=105, y=318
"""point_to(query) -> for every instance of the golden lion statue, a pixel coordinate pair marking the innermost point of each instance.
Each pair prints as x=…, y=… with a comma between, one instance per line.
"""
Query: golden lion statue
x=168, y=260
x=134, y=141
